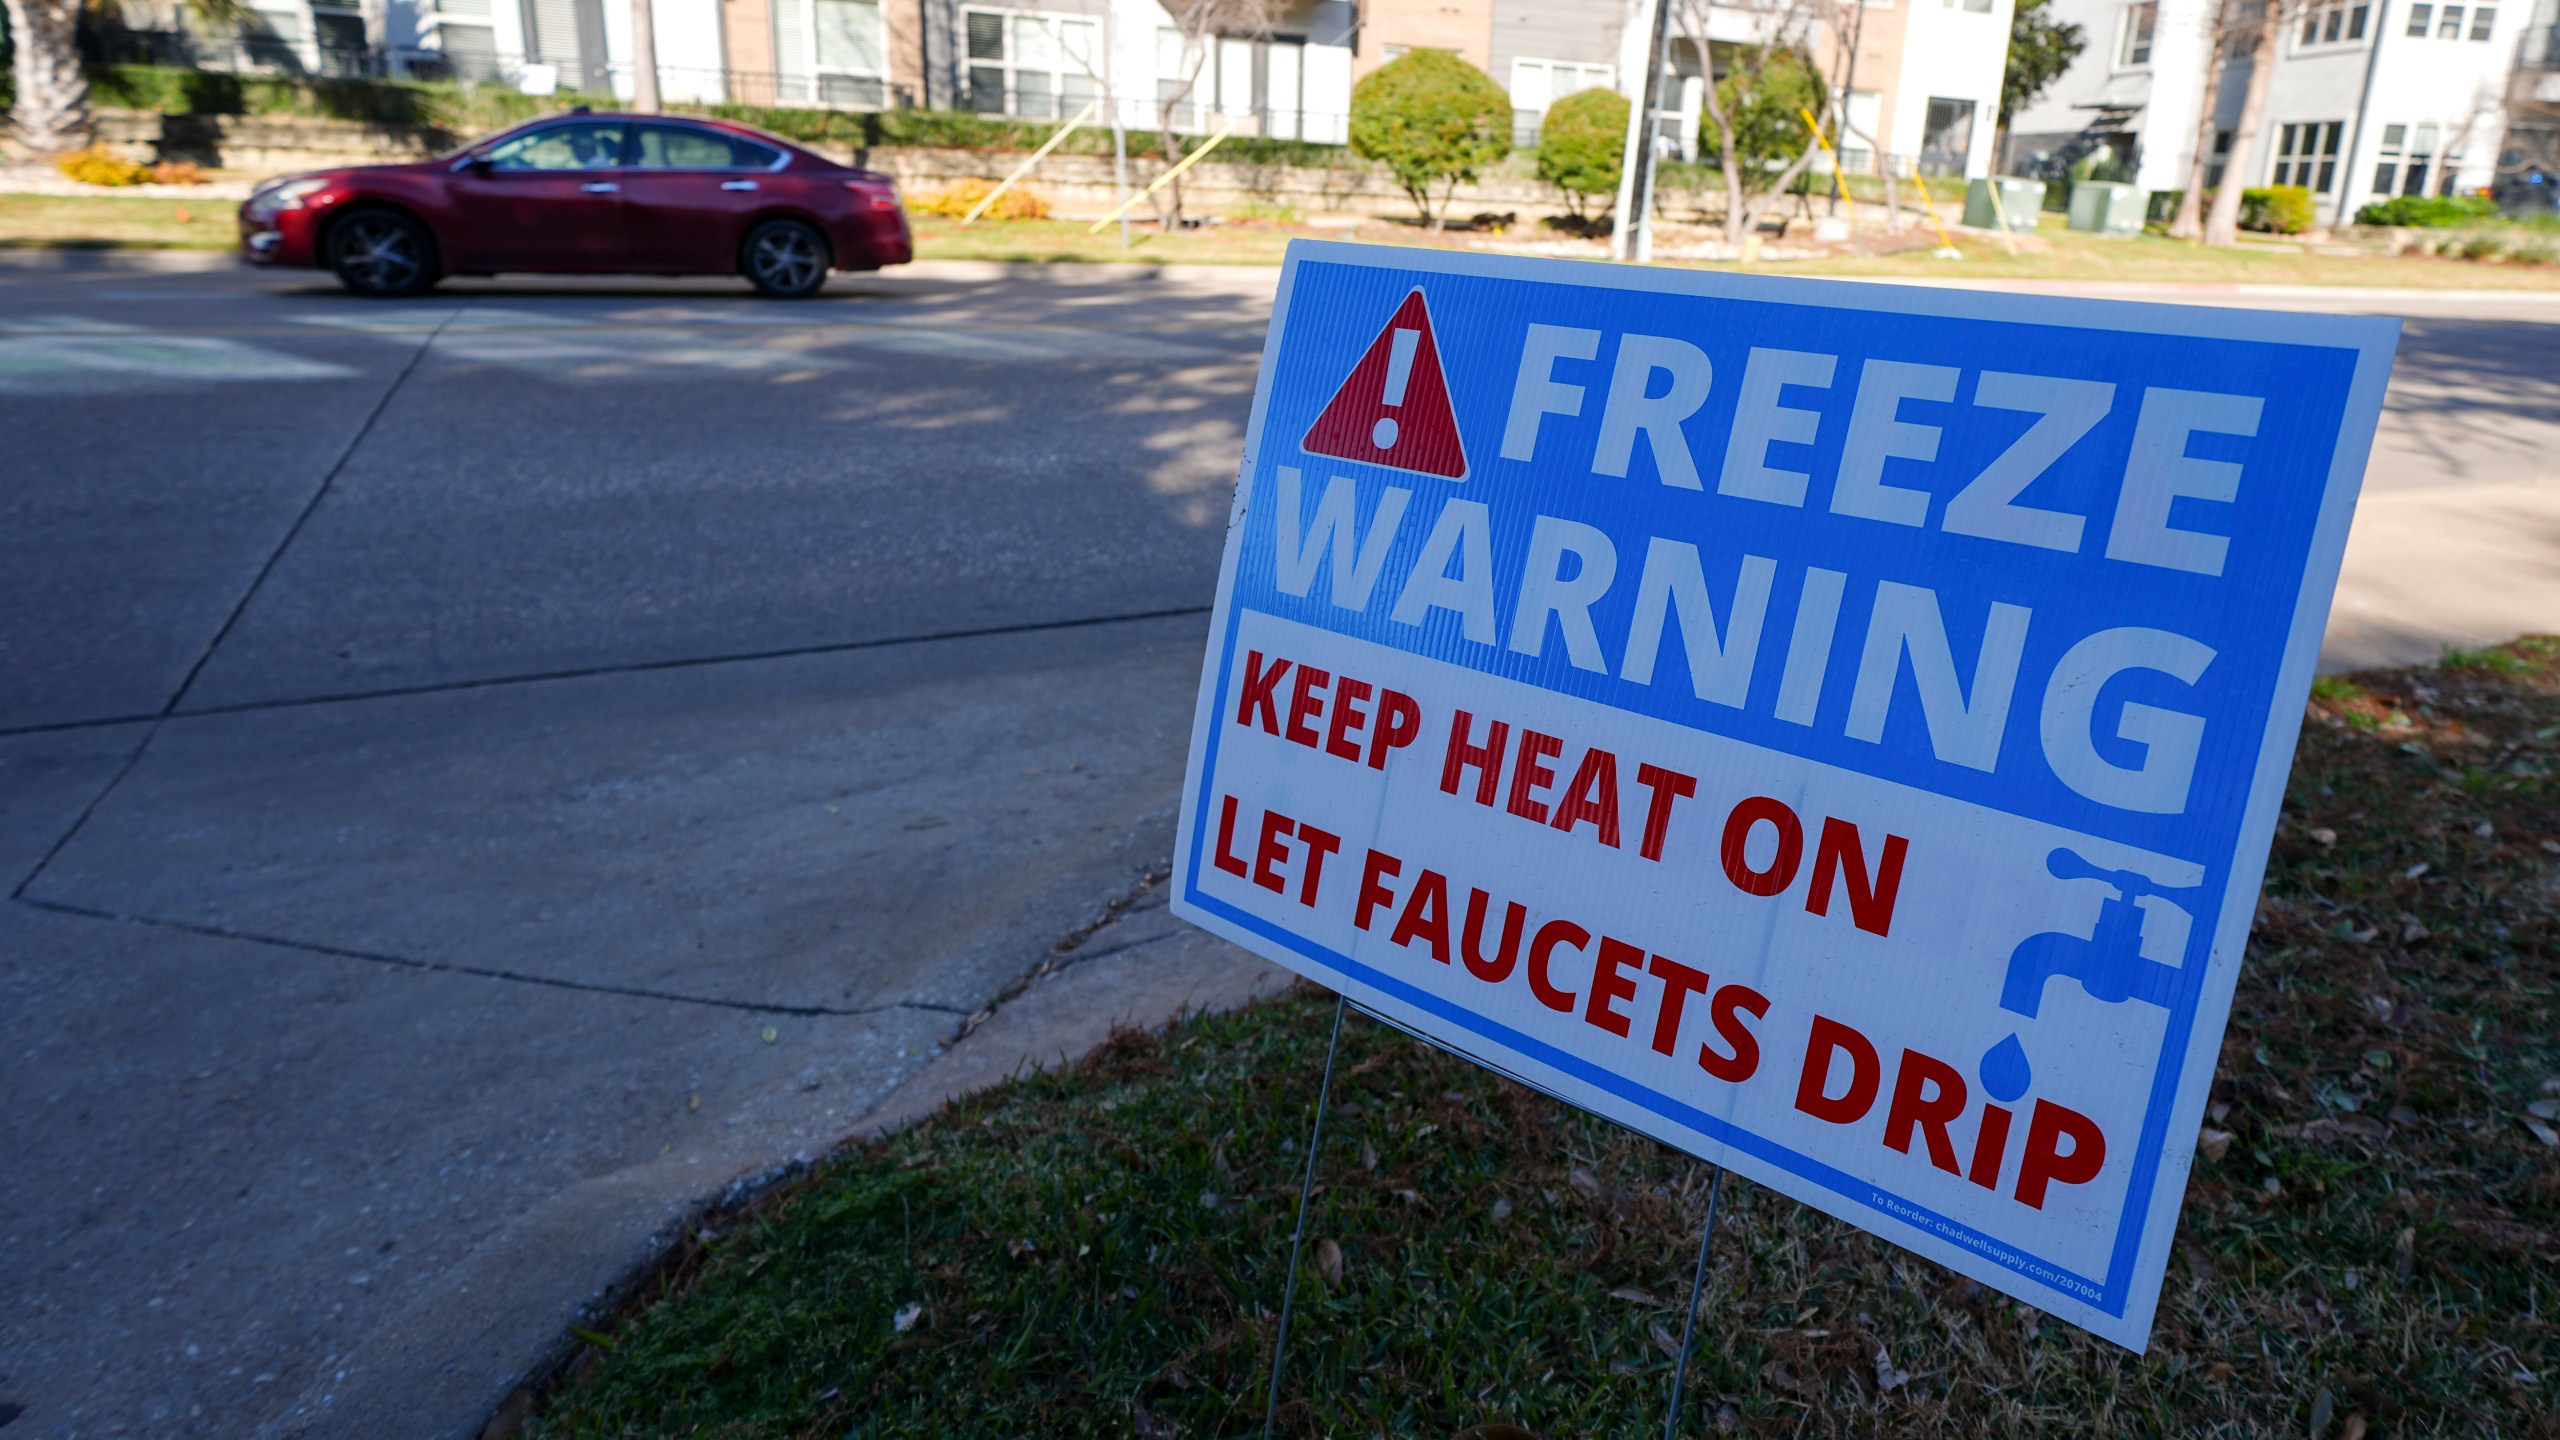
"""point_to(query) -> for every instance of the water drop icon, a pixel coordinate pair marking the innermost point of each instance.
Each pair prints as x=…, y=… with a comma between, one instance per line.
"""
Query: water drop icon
x=2005, y=1071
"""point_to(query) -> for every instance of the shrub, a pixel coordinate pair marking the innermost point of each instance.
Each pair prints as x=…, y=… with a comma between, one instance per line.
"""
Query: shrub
x=1431, y=119
x=1019, y=203
x=1767, y=107
x=1582, y=145
x=2482, y=245
x=2535, y=252
x=95, y=166
x=2282, y=209
x=177, y=172
x=2428, y=210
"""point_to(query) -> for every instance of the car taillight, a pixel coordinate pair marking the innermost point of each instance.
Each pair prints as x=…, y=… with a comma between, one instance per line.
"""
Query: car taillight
x=879, y=197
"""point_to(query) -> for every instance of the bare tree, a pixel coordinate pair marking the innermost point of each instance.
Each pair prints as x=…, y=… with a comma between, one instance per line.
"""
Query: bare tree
x=1846, y=57
x=1200, y=24
x=2189, y=222
x=2222, y=223
x=1762, y=146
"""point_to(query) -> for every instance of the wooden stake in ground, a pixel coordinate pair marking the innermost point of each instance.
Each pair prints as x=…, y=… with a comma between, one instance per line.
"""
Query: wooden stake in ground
x=1162, y=180
x=1036, y=157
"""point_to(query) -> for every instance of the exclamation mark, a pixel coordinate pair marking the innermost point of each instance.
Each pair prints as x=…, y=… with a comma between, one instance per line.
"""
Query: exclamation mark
x=1399, y=370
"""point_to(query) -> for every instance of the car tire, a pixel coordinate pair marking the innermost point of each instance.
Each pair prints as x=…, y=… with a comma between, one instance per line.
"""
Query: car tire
x=382, y=254
x=785, y=259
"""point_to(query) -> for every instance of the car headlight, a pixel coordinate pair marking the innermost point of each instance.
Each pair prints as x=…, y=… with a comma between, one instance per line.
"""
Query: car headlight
x=285, y=196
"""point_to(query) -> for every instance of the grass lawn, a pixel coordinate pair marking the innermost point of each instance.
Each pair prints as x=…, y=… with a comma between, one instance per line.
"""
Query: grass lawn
x=2368, y=1248
x=114, y=221
x=117, y=222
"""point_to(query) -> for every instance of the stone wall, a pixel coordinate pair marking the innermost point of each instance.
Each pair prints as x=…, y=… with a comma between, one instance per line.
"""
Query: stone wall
x=1077, y=185
x=264, y=144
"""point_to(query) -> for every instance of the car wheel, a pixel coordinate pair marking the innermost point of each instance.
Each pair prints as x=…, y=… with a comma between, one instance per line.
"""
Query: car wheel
x=786, y=259
x=382, y=253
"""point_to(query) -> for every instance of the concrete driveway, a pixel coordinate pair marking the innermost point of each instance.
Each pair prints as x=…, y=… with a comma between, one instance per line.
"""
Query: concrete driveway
x=478, y=776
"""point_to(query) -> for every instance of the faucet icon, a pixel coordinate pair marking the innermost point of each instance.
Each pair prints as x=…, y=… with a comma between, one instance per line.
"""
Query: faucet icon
x=2109, y=964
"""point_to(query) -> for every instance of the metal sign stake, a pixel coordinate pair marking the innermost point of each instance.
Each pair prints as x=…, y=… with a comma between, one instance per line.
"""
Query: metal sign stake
x=1298, y=1237
x=1689, y=1327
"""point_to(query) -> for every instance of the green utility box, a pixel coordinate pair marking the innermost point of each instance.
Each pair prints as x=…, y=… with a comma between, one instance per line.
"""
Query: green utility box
x=2109, y=207
x=2020, y=199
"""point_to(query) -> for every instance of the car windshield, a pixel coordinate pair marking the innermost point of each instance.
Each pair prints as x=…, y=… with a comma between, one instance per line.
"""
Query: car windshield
x=584, y=145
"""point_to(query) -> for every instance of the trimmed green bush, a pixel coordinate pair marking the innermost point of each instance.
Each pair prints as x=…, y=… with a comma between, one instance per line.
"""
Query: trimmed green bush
x=2431, y=211
x=2280, y=209
x=1431, y=119
x=1582, y=146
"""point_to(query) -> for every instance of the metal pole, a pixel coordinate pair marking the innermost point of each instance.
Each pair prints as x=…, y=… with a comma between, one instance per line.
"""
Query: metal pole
x=1306, y=1191
x=1655, y=63
x=1639, y=131
x=1689, y=1327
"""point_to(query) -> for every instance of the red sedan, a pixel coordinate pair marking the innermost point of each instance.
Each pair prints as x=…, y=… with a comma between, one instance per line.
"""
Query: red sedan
x=587, y=194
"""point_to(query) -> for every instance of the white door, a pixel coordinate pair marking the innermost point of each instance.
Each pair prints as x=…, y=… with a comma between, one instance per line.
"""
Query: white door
x=1281, y=94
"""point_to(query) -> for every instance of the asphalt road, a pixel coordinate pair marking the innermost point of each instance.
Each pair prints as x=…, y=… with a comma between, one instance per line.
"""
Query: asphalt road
x=477, y=775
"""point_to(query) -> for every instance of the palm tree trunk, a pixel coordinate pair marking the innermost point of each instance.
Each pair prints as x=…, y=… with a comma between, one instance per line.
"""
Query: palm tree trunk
x=52, y=109
x=2189, y=224
x=2222, y=227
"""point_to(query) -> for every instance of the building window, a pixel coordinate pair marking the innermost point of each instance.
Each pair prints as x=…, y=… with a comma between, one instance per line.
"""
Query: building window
x=2386, y=164
x=1946, y=139
x=2307, y=155
x=1039, y=67
x=2449, y=27
x=1537, y=84
x=2422, y=156
x=1978, y=7
x=2133, y=47
x=2333, y=22
x=846, y=38
x=2419, y=17
x=2483, y=20
x=2221, y=160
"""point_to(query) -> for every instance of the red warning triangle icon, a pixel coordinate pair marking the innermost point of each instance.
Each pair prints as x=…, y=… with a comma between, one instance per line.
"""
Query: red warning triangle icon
x=1393, y=409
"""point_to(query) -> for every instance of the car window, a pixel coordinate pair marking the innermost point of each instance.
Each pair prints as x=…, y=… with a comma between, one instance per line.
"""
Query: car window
x=585, y=145
x=682, y=147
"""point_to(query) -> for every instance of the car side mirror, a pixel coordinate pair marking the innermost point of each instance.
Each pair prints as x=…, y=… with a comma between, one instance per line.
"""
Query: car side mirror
x=479, y=164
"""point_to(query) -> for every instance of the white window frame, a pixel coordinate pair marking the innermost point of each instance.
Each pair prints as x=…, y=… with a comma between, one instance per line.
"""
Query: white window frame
x=1062, y=66
x=2333, y=25
x=2308, y=153
x=2129, y=27
x=820, y=72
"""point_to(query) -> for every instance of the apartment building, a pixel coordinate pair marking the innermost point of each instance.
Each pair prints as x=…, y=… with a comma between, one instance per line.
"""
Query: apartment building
x=2368, y=98
x=1923, y=87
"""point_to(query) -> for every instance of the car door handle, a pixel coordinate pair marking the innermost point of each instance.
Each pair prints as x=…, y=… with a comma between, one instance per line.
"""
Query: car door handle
x=602, y=187
x=737, y=185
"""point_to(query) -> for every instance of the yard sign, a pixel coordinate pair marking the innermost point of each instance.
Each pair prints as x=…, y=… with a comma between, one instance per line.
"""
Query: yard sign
x=1835, y=729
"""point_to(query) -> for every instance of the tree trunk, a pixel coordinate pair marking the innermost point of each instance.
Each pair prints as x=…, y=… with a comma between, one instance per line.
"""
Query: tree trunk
x=53, y=94
x=2222, y=226
x=2189, y=224
x=644, y=57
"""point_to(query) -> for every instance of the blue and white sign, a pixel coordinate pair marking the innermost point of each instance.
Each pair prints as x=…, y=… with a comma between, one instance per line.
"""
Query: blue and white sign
x=1836, y=729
